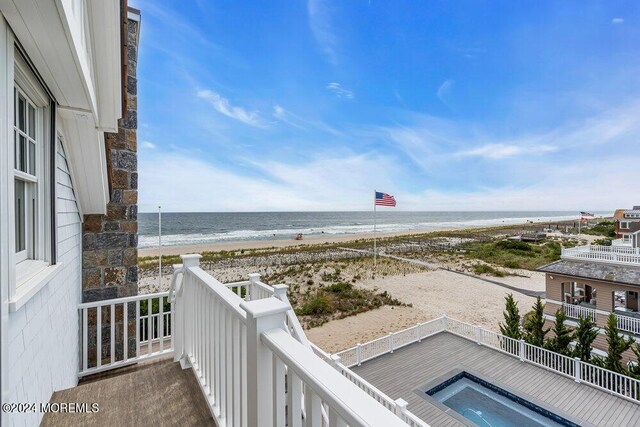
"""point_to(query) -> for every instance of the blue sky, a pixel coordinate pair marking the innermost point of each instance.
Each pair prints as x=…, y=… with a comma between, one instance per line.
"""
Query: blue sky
x=311, y=105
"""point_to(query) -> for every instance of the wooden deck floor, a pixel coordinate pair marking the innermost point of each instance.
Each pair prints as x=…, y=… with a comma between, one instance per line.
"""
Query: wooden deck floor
x=154, y=393
x=399, y=374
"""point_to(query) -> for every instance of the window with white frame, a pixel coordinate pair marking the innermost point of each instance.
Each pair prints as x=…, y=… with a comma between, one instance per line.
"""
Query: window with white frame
x=26, y=178
x=31, y=109
x=624, y=224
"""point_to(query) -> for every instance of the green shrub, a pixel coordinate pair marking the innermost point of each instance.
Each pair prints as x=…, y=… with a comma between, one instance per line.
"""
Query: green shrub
x=604, y=228
x=513, y=245
x=512, y=264
x=487, y=269
x=339, y=288
x=317, y=305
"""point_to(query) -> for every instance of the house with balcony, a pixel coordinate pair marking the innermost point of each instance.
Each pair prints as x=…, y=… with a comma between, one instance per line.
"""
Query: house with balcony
x=594, y=281
x=627, y=226
x=80, y=346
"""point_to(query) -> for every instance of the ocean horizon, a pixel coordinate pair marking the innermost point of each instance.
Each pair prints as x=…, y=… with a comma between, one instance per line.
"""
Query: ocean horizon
x=187, y=228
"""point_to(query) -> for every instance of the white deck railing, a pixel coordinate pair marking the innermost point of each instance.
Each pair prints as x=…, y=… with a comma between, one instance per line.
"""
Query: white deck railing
x=610, y=254
x=123, y=331
x=612, y=382
x=242, y=352
x=576, y=311
x=628, y=323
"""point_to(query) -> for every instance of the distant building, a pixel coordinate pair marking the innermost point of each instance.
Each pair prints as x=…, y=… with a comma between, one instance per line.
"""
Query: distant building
x=627, y=222
x=594, y=281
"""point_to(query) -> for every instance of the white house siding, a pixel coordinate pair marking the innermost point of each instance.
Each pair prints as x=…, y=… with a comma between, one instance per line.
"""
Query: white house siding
x=44, y=345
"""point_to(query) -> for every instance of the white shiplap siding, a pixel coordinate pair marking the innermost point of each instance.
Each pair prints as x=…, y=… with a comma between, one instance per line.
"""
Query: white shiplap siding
x=44, y=332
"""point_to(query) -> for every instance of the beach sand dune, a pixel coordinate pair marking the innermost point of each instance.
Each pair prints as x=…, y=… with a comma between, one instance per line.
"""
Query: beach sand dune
x=432, y=294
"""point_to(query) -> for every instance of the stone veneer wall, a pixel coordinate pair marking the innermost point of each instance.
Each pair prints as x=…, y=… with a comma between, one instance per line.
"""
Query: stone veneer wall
x=109, y=242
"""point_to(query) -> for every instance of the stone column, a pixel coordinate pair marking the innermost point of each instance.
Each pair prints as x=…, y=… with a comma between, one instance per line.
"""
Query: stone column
x=109, y=242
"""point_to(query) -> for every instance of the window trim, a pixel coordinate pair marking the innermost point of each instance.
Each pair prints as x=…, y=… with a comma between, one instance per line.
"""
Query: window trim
x=26, y=81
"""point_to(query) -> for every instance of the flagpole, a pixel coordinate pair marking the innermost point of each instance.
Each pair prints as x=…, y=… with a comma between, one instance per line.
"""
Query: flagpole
x=159, y=247
x=580, y=224
x=375, y=246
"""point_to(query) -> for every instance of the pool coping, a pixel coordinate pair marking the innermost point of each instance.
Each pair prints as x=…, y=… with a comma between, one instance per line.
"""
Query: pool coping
x=422, y=392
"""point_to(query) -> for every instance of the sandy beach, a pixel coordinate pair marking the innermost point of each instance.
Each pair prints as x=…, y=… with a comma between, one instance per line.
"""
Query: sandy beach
x=432, y=294
x=259, y=244
x=428, y=293
x=311, y=240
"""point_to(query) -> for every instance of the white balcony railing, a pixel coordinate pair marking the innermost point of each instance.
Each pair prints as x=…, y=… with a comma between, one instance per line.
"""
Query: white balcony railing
x=595, y=376
x=624, y=255
x=628, y=324
x=253, y=362
x=576, y=311
x=625, y=323
x=123, y=331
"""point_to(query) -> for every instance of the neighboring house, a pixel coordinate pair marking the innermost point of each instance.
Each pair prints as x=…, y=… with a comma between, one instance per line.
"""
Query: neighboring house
x=65, y=91
x=627, y=222
x=594, y=281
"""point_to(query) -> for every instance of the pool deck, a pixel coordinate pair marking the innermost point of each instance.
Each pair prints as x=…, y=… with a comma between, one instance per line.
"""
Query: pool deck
x=402, y=372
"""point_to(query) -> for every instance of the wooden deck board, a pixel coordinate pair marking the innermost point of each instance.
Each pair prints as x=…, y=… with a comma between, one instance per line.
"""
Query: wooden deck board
x=400, y=373
x=153, y=393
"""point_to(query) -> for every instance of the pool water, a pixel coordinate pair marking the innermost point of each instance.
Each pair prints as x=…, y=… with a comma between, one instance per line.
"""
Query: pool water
x=491, y=407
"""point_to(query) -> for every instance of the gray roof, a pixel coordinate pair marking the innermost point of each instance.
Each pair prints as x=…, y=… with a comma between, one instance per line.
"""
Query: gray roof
x=595, y=270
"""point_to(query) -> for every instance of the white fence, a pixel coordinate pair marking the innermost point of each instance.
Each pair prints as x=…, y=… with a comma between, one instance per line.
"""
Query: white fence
x=628, y=323
x=611, y=254
x=612, y=382
x=576, y=311
x=251, y=363
x=123, y=331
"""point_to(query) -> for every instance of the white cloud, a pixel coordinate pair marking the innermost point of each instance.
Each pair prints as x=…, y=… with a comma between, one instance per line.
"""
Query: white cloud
x=320, y=22
x=617, y=20
x=551, y=187
x=222, y=105
x=284, y=116
x=296, y=121
x=503, y=151
x=182, y=183
x=339, y=91
x=148, y=144
x=444, y=90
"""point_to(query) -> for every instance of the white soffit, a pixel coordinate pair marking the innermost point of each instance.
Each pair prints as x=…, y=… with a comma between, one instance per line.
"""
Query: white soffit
x=75, y=47
x=88, y=160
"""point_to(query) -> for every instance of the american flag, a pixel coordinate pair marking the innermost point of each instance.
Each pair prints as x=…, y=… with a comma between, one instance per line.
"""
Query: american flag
x=384, y=199
x=586, y=214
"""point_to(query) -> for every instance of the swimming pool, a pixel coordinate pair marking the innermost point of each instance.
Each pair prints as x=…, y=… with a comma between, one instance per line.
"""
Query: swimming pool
x=489, y=406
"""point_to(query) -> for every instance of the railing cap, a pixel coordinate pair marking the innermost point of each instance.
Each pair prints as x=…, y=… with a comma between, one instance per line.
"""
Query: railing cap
x=264, y=307
x=190, y=260
x=254, y=276
x=401, y=403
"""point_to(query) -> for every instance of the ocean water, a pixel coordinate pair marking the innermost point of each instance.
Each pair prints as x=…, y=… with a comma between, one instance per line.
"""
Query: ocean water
x=197, y=228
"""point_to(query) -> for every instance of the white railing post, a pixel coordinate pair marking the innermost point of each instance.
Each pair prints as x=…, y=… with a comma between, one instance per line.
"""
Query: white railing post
x=252, y=288
x=390, y=342
x=177, y=310
x=445, y=322
x=401, y=408
x=419, y=332
x=521, y=351
x=180, y=351
x=478, y=334
x=335, y=360
x=359, y=354
x=262, y=315
x=577, y=369
x=280, y=291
